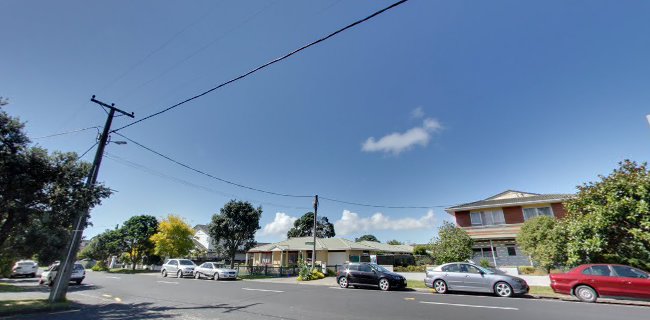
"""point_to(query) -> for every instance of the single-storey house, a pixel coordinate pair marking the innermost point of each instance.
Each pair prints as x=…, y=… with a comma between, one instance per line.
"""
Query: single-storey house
x=494, y=223
x=329, y=251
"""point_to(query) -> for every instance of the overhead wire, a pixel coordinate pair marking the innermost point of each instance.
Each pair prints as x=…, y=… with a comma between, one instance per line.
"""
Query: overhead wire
x=67, y=132
x=85, y=152
x=276, y=60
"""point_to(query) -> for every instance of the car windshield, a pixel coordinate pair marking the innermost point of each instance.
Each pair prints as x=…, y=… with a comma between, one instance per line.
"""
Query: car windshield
x=489, y=270
x=25, y=264
x=379, y=268
x=186, y=262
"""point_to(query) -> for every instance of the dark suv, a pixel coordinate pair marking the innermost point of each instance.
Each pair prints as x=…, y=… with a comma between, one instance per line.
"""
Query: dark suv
x=369, y=274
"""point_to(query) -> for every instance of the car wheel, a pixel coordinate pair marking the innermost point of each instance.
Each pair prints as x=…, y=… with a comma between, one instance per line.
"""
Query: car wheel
x=586, y=294
x=78, y=282
x=179, y=274
x=197, y=275
x=343, y=282
x=503, y=289
x=384, y=285
x=164, y=273
x=440, y=286
x=216, y=276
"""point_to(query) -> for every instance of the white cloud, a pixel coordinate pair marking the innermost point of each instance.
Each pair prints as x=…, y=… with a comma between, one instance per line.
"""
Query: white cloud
x=350, y=222
x=279, y=226
x=397, y=142
x=417, y=113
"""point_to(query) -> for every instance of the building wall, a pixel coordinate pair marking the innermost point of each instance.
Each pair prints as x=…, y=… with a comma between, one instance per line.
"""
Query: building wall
x=513, y=214
x=503, y=259
x=463, y=219
x=204, y=239
x=559, y=210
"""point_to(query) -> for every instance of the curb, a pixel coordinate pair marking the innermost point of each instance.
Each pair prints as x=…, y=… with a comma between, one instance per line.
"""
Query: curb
x=69, y=306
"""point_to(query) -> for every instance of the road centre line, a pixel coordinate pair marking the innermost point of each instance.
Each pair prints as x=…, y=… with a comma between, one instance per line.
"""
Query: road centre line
x=167, y=282
x=468, y=305
x=263, y=290
x=111, y=277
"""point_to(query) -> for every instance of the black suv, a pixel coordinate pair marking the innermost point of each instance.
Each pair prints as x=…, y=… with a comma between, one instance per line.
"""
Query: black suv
x=369, y=274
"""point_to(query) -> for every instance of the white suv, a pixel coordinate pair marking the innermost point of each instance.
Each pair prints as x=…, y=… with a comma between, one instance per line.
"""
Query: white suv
x=178, y=267
x=26, y=268
x=78, y=274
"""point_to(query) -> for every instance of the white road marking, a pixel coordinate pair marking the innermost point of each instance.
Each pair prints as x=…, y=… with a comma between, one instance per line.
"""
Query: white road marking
x=263, y=290
x=111, y=277
x=167, y=282
x=468, y=305
x=118, y=299
x=66, y=311
x=107, y=295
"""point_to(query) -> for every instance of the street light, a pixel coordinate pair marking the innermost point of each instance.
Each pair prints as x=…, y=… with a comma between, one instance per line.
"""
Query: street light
x=119, y=142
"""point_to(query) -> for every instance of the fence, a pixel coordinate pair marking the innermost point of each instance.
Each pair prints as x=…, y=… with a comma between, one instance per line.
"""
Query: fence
x=268, y=271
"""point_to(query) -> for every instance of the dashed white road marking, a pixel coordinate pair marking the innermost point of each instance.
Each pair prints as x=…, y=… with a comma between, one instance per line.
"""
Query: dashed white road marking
x=468, y=305
x=107, y=295
x=263, y=290
x=118, y=299
x=111, y=277
x=167, y=282
x=65, y=311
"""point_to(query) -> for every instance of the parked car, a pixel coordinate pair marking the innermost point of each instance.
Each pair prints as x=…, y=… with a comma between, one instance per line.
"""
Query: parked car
x=590, y=281
x=369, y=274
x=27, y=268
x=463, y=276
x=78, y=274
x=178, y=267
x=214, y=271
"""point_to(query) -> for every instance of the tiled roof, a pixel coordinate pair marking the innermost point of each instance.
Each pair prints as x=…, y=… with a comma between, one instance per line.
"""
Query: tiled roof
x=511, y=201
x=202, y=227
x=305, y=243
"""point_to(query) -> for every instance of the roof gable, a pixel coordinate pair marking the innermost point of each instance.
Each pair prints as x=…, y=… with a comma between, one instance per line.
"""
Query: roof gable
x=511, y=194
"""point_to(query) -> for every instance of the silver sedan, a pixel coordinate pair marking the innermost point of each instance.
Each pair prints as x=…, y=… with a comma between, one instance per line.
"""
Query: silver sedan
x=212, y=270
x=463, y=276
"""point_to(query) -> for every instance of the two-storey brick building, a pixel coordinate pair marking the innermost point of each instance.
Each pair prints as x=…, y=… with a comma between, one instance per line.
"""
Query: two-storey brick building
x=494, y=223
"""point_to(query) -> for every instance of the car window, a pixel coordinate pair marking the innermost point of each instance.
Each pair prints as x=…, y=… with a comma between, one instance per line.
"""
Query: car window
x=601, y=271
x=364, y=268
x=629, y=272
x=586, y=271
x=353, y=267
x=186, y=262
x=466, y=268
x=379, y=268
x=78, y=266
x=209, y=265
x=26, y=264
x=451, y=268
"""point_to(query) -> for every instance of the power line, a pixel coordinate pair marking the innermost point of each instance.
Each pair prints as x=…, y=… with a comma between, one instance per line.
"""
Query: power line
x=210, y=175
x=146, y=169
x=381, y=206
x=265, y=65
x=91, y=147
x=67, y=132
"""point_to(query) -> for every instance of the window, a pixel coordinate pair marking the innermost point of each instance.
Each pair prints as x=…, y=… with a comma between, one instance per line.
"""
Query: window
x=512, y=251
x=466, y=268
x=353, y=267
x=601, y=271
x=487, y=218
x=266, y=257
x=451, y=268
x=173, y=262
x=629, y=272
x=364, y=268
x=530, y=213
x=186, y=262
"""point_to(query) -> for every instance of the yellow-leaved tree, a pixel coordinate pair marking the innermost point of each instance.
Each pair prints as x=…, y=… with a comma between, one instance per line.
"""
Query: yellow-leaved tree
x=174, y=238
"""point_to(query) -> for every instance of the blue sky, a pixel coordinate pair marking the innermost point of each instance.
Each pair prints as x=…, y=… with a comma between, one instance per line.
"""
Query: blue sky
x=430, y=104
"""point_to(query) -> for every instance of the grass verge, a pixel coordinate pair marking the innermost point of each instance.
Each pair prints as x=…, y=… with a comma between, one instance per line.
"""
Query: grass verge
x=5, y=287
x=543, y=291
x=12, y=307
x=414, y=284
x=129, y=271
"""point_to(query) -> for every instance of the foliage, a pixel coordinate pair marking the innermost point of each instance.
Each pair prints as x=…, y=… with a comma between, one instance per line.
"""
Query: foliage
x=485, y=263
x=100, y=266
x=315, y=274
x=420, y=250
x=423, y=260
x=451, y=244
x=609, y=220
x=304, y=271
x=103, y=246
x=174, y=237
x=136, y=236
x=526, y=270
x=542, y=240
x=410, y=269
x=367, y=237
x=40, y=195
x=394, y=242
x=331, y=273
x=235, y=226
x=304, y=226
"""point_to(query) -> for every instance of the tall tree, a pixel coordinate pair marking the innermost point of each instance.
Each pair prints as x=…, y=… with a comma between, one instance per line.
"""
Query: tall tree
x=367, y=237
x=609, y=220
x=451, y=244
x=137, y=233
x=174, y=237
x=104, y=245
x=543, y=241
x=235, y=226
x=304, y=226
x=394, y=242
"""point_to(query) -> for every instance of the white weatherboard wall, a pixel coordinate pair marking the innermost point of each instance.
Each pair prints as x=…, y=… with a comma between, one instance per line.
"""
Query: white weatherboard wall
x=336, y=258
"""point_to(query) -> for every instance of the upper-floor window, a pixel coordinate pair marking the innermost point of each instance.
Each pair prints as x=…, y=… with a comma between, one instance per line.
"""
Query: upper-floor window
x=530, y=213
x=487, y=218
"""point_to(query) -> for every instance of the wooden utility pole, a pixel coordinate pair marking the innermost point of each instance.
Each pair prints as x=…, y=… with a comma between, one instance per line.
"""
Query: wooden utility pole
x=62, y=278
x=313, y=253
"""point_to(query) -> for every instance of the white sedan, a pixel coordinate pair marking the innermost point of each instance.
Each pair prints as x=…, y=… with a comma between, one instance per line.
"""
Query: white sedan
x=214, y=271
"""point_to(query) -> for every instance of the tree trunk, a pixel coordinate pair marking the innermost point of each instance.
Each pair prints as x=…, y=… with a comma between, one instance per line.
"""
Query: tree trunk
x=233, y=252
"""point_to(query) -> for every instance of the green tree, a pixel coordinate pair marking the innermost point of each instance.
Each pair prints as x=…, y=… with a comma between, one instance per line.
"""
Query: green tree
x=104, y=245
x=420, y=250
x=235, y=226
x=304, y=226
x=174, y=237
x=542, y=239
x=394, y=242
x=367, y=237
x=451, y=244
x=609, y=220
x=136, y=235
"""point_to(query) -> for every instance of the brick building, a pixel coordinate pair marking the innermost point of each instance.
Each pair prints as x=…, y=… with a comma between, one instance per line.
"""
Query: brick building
x=494, y=223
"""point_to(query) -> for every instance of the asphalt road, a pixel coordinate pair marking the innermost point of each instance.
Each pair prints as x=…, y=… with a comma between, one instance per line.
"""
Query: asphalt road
x=110, y=296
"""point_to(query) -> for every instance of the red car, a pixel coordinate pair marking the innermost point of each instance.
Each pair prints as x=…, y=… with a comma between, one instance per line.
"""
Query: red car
x=590, y=281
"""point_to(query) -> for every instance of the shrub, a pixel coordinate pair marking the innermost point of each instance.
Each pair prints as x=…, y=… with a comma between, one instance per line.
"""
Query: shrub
x=485, y=263
x=422, y=268
x=315, y=274
x=304, y=272
x=100, y=266
x=526, y=270
x=331, y=273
